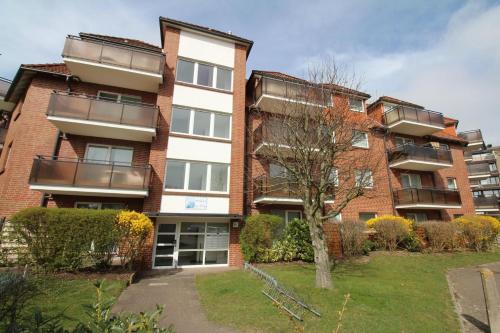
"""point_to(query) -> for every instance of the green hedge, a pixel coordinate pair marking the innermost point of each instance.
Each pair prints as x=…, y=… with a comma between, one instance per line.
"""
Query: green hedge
x=65, y=238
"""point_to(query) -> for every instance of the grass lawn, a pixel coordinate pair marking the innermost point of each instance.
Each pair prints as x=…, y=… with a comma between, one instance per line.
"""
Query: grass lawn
x=389, y=293
x=71, y=297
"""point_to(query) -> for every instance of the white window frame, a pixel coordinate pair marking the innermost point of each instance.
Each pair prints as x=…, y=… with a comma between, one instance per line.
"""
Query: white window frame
x=410, y=175
x=415, y=215
x=455, y=187
x=356, y=110
x=357, y=143
x=186, y=177
x=212, y=122
x=287, y=220
x=109, y=147
x=335, y=171
x=120, y=95
x=337, y=218
x=214, y=74
x=388, y=106
x=406, y=141
x=370, y=172
x=359, y=213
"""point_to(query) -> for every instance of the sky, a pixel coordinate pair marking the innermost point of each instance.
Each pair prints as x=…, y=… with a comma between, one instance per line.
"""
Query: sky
x=442, y=54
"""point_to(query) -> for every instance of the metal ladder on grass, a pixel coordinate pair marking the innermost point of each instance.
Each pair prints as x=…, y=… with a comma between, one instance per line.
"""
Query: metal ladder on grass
x=281, y=296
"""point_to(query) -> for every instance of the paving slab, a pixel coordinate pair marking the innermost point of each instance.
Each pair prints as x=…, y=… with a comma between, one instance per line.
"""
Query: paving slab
x=467, y=290
x=176, y=291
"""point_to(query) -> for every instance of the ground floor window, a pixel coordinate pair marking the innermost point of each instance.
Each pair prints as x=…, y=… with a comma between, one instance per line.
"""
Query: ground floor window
x=191, y=244
x=417, y=217
x=100, y=205
x=287, y=215
x=366, y=216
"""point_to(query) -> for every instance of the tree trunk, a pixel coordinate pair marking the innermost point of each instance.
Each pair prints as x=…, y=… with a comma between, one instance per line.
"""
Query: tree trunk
x=321, y=259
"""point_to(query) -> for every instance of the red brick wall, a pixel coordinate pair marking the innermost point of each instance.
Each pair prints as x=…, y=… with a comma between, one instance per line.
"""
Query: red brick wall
x=235, y=255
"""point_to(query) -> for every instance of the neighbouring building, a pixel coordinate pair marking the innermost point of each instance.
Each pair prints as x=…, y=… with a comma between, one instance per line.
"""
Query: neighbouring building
x=124, y=124
x=482, y=166
x=5, y=109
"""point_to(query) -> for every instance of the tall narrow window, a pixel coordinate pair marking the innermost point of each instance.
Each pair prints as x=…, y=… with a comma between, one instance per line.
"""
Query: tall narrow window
x=360, y=139
x=198, y=176
x=180, y=120
x=452, y=183
x=205, y=75
x=201, y=124
x=185, y=71
x=218, y=179
x=175, y=174
x=363, y=178
x=224, y=78
x=222, y=124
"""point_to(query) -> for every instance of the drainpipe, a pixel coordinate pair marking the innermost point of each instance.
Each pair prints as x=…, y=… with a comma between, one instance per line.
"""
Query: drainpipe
x=386, y=133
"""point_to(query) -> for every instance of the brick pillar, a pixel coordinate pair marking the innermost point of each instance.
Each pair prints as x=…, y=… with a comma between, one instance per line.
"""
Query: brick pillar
x=235, y=255
x=333, y=239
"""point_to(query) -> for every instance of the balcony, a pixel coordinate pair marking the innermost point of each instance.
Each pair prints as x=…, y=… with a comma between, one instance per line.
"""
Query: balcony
x=90, y=116
x=413, y=121
x=474, y=137
x=482, y=170
x=426, y=198
x=89, y=178
x=487, y=204
x=4, y=87
x=279, y=96
x=114, y=64
x=3, y=135
x=485, y=184
x=274, y=190
x=420, y=158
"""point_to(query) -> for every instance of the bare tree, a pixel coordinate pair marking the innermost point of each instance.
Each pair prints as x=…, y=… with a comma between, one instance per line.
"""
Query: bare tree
x=313, y=137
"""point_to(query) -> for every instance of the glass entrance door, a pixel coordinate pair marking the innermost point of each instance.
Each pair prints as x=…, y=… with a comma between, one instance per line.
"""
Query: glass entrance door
x=166, y=243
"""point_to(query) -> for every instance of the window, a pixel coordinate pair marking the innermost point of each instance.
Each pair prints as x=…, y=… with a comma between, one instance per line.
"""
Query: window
x=490, y=181
x=452, y=183
x=99, y=205
x=400, y=141
x=410, y=180
x=176, y=172
x=204, y=74
x=287, y=215
x=277, y=171
x=204, y=123
x=185, y=71
x=355, y=104
x=197, y=176
x=360, y=139
x=334, y=177
x=119, y=98
x=364, y=178
x=109, y=154
x=201, y=123
x=388, y=107
x=366, y=216
x=417, y=217
x=224, y=78
x=493, y=167
x=444, y=146
x=336, y=218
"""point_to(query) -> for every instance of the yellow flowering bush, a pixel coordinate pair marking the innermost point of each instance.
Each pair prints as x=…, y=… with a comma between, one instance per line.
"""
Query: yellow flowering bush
x=391, y=230
x=135, y=229
x=478, y=232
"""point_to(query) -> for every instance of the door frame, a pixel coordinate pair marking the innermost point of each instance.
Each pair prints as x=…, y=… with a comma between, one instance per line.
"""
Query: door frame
x=175, y=245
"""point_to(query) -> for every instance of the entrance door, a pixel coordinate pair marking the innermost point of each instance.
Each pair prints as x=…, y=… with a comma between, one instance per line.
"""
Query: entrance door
x=165, y=249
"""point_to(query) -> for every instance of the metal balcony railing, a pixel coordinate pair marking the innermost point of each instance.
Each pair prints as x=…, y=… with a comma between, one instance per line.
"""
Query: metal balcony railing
x=3, y=135
x=278, y=187
x=76, y=106
x=56, y=171
x=486, y=202
x=422, y=116
x=475, y=156
x=420, y=153
x=4, y=86
x=480, y=169
x=293, y=91
x=428, y=196
x=112, y=54
x=472, y=136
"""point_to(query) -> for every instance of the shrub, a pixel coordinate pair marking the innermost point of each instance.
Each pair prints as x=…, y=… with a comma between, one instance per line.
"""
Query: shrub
x=258, y=234
x=295, y=244
x=440, y=235
x=15, y=292
x=478, y=232
x=65, y=238
x=134, y=228
x=391, y=230
x=353, y=234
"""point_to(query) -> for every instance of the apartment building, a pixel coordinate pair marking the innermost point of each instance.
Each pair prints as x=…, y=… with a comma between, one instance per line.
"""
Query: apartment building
x=482, y=167
x=172, y=131
x=422, y=178
x=121, y=123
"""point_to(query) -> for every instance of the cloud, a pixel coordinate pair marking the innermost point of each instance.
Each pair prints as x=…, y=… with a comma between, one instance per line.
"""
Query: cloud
x=458, y=75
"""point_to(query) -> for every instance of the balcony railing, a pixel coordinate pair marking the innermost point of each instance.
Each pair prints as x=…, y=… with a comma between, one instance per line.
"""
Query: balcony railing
x=480, y=169
x=89, y=174
x=92, y=108
x=4, y=86
x=420, y=153
x=293, y=91
x=486, y=202
x=112, y=54
x=475, y=156
x=472, y=136
x=400, y=113
x=426, y=196
x=3, y=135
x=266, y=186
x=479, y=184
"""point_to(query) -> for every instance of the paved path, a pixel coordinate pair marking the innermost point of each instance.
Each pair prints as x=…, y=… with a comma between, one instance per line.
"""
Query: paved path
x=466, y=286
x=176, y=291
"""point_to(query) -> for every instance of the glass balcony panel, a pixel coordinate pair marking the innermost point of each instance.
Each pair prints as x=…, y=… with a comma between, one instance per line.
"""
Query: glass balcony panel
x=93, y=175
x=138, y=116
x=70, y=107
x=129, y=177
x=105, y=111
x=116, y=56
x=53, y=172
x=146, y=62
x=76, y=48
